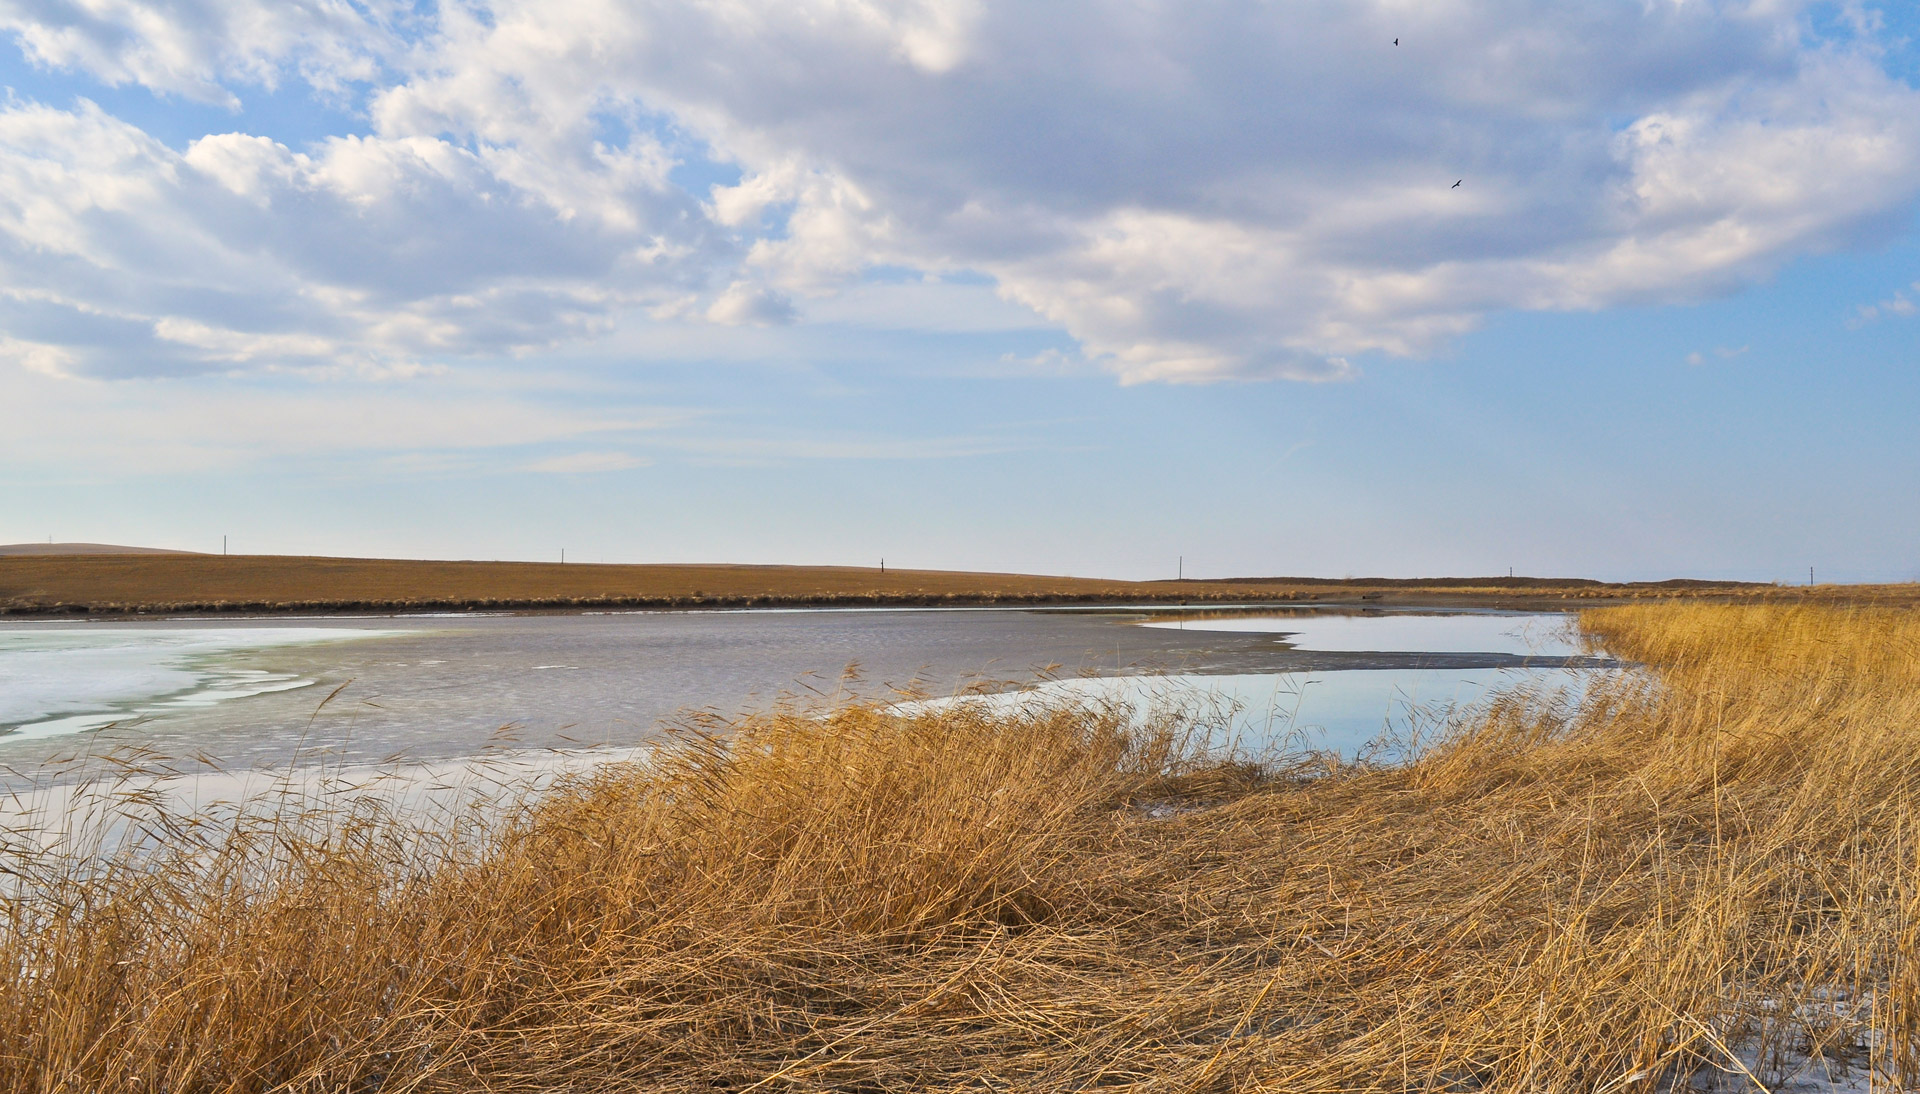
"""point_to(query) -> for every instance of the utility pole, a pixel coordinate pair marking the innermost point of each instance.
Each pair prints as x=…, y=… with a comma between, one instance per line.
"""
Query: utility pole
x=223, y=545
x=1181, y=573
x=1809, y=575
x=883, y=565
x=563, y=556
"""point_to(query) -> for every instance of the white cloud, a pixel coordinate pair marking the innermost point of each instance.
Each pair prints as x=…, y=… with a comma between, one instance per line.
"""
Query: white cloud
x=168, y=425
x=1725, y=353
x=241, y=252
x=1899, y=304
x=36, y=357
x=1192, y=192
x=744, y=303
x=195, y=48
x=457, y=421
x=925, y=304
x=587, y=463
x=748, y=450
x=1197, y=193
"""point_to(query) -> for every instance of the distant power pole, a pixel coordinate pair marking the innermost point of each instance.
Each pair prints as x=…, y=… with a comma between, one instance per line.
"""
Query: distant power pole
x=1181, y=573
x=883, y=565
x=1809, y=575
x=223, y=546
x=563, y=556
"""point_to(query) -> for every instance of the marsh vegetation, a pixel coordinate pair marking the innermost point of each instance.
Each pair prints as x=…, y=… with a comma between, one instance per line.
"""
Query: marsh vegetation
x=1707, y=873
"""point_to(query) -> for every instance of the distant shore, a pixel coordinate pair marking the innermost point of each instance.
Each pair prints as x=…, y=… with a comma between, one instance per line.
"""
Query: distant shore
x=148, y=584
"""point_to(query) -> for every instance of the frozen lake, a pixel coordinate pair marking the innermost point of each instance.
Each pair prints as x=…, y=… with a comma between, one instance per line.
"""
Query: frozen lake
x=247, y=694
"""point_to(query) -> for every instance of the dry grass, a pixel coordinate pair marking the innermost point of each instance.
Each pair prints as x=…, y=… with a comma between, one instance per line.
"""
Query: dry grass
x=1715, y=867
x=38, y=584
x=61, y=584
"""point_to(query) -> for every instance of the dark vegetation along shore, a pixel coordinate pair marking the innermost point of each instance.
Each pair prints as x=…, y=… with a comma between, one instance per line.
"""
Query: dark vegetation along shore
x=1707, y=877
x=179, y=583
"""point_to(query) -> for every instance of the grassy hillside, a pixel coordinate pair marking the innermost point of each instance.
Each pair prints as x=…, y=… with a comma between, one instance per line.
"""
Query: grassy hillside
x=92, y=584
x=273, y=581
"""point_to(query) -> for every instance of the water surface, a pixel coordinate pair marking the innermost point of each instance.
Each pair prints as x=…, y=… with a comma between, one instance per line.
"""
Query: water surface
x=1381, y=715
x=248, y=694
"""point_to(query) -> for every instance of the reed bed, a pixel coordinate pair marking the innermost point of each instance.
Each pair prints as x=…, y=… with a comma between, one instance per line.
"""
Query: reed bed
x=1705, y=877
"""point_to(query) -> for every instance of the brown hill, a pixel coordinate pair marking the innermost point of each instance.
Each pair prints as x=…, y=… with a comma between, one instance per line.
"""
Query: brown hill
x=11, y=549
x=177, y=582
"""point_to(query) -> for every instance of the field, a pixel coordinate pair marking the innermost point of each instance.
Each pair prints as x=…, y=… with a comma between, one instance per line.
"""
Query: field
x=96, y=584
x=1707, y=878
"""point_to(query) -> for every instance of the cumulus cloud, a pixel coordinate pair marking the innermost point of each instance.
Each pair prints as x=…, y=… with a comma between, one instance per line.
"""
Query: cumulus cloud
x=1192, y=191
x=239, y=252
x=745, y=303
x=196, y=48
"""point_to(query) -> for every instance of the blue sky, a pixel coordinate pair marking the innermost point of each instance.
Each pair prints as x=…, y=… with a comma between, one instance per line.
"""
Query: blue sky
x=966, y=286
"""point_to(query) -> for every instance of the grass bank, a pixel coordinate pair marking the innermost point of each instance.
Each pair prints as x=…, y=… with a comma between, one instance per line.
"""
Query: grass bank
x=1710, y=873
x=106, y=584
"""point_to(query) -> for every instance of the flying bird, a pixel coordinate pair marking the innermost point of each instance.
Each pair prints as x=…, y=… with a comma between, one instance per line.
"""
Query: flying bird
x=1396, y=41
x=1456, y=185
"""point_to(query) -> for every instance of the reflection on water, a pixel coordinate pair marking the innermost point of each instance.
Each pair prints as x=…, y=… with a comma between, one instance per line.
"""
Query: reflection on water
x=1379, y=714
x=1533, y=634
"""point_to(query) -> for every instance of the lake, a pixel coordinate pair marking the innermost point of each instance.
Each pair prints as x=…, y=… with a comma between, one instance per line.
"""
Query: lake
x=248, y=694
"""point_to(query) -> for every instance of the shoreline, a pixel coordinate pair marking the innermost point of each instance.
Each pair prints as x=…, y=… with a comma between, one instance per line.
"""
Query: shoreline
x=1403, y=600
x=239, y=656
x=170, y=586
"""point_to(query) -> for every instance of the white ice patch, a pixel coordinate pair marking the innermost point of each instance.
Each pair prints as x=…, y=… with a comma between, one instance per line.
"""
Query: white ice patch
x=64, y=679
x=1542, y=634
x=109, y=810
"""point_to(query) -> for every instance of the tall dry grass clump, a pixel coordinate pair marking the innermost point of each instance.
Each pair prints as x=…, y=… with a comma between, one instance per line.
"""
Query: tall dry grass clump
x=1708, y=874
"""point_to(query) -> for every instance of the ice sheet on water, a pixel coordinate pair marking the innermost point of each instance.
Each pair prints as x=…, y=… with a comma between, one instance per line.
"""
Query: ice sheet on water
x=1535, y=634
x=65, y=678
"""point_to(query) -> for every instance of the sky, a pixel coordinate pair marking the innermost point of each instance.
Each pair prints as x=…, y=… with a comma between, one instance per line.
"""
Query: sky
x=1105, y=287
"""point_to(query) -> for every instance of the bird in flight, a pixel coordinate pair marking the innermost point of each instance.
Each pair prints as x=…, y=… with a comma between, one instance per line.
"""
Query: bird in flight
x=1396, y=41
x=1456, y=185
